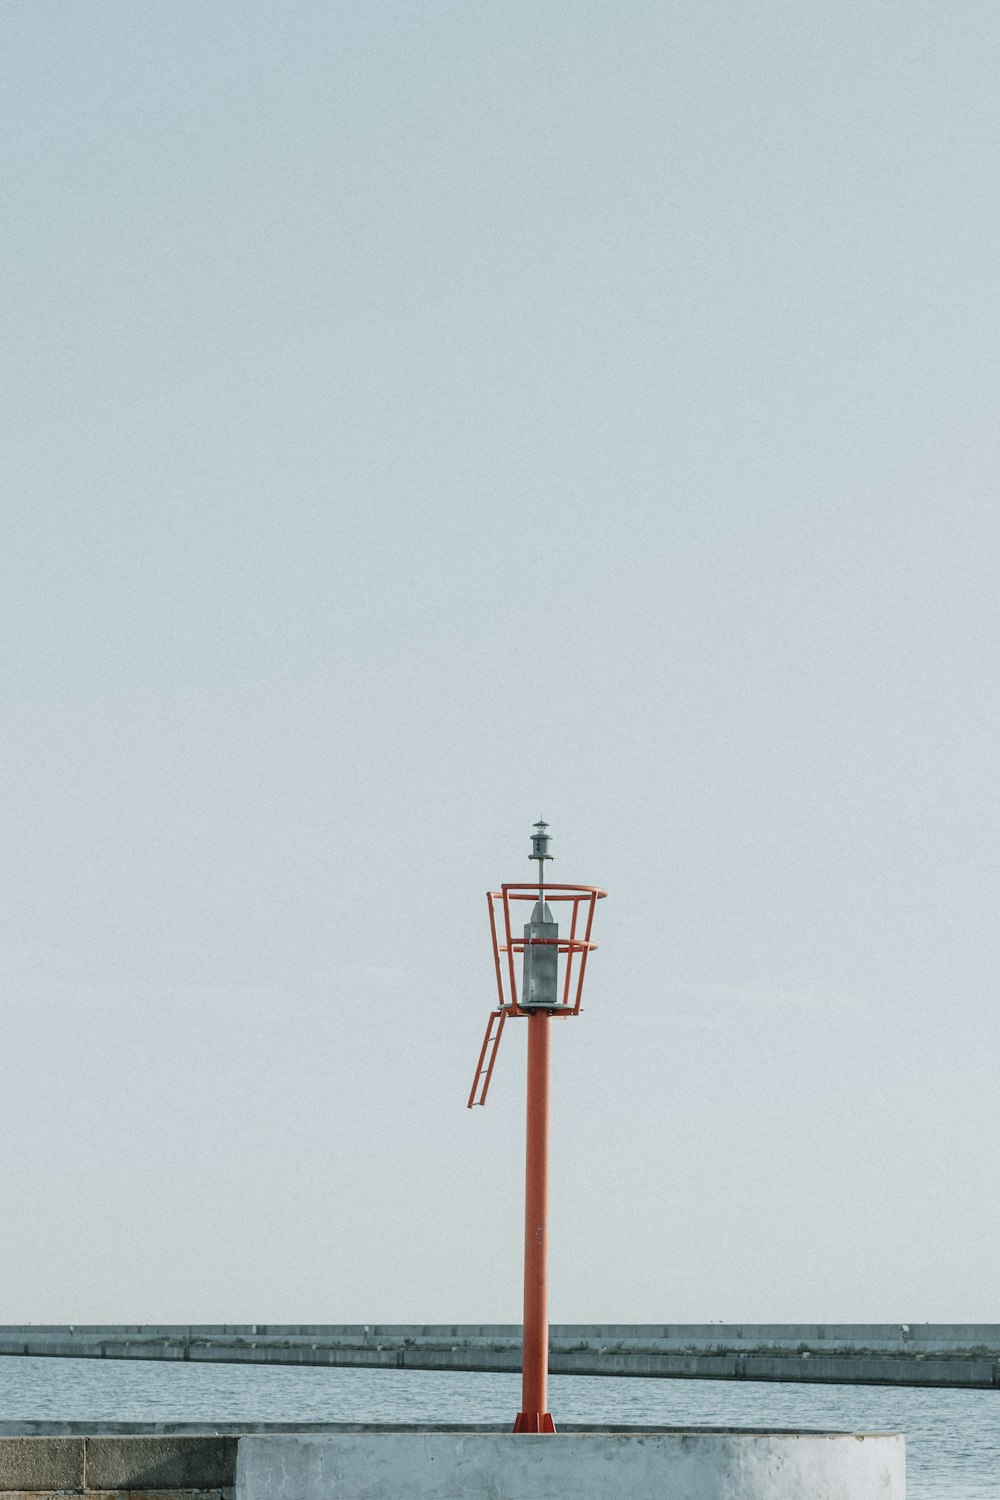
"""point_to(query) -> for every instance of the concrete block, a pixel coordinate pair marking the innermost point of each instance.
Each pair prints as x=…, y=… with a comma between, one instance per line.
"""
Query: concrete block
x=122, y=1495
x=226, y=1494
x=690, y=1465
x=41, y=1463
x=160, y=1463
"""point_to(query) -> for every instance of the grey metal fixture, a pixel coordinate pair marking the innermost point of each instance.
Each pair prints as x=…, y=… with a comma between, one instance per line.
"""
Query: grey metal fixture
x=540, y=988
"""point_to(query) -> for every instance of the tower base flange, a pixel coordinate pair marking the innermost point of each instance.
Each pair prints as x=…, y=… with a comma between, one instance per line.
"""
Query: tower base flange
x=534, y=1421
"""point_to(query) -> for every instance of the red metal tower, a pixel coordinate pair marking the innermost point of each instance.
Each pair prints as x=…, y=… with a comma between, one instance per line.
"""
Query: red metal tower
x=541, y=1000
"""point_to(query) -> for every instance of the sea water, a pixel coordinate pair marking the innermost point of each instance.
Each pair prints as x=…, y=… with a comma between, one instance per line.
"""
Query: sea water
x=952, y=1437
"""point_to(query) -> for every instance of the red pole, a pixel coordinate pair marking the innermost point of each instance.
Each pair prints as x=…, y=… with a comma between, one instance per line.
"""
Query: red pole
x=534, y=1415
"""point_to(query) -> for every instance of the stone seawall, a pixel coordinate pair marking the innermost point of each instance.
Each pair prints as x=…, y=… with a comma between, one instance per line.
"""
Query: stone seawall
x=185, y=1468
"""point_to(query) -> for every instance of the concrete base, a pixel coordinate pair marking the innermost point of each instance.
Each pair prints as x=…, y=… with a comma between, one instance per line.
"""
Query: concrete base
x=421, y=1463
x=667, y=1465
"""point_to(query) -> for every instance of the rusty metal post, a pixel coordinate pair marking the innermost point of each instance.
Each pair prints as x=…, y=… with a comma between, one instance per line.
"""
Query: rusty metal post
x=534, y=1415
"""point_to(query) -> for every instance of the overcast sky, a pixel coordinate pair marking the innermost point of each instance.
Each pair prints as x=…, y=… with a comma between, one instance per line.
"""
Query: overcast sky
x=423, y=417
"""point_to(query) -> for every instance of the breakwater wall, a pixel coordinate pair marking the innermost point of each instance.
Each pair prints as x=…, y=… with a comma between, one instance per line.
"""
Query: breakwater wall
x=397, y=1463
x=918, y=1354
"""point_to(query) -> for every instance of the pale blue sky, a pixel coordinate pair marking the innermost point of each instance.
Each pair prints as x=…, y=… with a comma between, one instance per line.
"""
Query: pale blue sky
x=423, y=417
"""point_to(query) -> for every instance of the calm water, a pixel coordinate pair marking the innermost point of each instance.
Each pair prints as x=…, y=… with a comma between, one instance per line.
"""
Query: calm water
x=952, y=1437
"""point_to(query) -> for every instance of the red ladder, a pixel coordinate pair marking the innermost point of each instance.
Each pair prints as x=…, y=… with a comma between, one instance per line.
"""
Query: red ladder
x=487, y=1057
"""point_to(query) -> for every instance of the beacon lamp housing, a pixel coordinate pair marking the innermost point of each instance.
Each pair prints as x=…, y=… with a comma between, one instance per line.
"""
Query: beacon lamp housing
x=540, y=841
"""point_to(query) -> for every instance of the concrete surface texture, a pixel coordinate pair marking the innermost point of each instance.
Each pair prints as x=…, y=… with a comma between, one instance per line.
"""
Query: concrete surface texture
x=639, y=1466
x=866, y=1354
x=116, y=1463
x=37, y=1463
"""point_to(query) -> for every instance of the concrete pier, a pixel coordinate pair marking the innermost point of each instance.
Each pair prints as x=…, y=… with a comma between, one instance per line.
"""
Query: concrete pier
x=464, y=1464
x=928, y=1354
